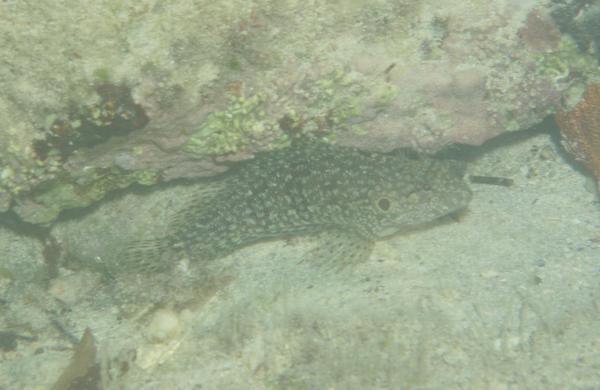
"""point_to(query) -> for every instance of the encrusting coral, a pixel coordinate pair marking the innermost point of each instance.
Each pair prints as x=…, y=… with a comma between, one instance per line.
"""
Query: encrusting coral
x=580, y=129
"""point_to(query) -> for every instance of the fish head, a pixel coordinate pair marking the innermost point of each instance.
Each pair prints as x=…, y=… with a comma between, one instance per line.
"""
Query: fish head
x=412, y=193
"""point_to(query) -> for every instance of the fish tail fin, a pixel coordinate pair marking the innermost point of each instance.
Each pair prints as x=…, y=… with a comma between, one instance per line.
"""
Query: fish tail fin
x=145, y=256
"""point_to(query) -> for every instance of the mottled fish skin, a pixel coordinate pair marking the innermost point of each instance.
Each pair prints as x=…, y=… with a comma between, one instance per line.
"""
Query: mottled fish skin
x=312, y=188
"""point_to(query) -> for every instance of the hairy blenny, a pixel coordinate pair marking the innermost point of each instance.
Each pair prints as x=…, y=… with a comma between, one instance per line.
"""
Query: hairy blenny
x=349, y=198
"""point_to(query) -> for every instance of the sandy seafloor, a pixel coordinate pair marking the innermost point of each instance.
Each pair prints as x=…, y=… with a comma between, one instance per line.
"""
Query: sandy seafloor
x=504, y=296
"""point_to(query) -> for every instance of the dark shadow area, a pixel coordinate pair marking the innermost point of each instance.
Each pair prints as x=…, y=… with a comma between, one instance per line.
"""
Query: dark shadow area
x=472, y=152
x=547, y=126
x=136, y=189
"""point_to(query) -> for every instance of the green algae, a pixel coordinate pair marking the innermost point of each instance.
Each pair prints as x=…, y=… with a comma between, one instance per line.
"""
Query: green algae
x=567, y=58
x=328, y=106
x=232, y=129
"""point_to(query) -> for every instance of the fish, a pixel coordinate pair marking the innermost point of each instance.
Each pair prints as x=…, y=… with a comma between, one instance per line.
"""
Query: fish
x=345, y=197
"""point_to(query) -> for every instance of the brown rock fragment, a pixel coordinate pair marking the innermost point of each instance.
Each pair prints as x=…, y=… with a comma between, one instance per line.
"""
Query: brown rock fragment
x=84, y=370
x=580, y=129
x=539, y=32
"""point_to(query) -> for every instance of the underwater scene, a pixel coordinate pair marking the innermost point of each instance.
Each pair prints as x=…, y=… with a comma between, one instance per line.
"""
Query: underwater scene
x=384, y=194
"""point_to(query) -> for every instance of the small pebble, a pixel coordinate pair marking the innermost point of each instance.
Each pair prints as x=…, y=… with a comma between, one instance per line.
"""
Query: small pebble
x=164, y=326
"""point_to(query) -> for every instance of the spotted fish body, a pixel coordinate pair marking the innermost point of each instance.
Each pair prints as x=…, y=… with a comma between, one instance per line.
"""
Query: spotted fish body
x=354, y=197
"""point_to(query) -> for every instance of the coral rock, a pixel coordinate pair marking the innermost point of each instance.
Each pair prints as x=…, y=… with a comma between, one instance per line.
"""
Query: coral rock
x=580, y=129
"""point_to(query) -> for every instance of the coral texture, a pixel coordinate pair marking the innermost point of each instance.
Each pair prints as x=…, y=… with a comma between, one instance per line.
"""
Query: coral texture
x=580, y=129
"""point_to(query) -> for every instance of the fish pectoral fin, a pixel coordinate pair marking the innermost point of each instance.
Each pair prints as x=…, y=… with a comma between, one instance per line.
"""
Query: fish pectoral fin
x=338, y=249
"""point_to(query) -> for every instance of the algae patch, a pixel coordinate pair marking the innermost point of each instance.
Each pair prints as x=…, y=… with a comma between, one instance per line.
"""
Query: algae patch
x=322, y=107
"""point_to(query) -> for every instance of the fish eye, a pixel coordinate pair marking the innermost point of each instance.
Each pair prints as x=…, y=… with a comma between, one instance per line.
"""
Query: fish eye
x=384, y=204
